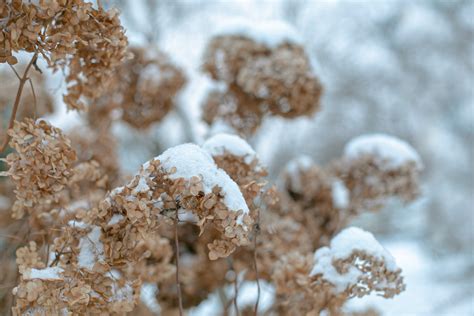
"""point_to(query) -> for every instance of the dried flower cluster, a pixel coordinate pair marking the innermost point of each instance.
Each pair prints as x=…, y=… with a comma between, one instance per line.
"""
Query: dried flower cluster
x=258, y=78
x=354, y=265
x=41, y=166
x=89, y=42
x=239, y=160
x=143, y=90
x=376, y=167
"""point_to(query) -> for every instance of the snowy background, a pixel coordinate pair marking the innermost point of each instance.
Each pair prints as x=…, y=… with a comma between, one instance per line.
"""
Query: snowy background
x=398, y=67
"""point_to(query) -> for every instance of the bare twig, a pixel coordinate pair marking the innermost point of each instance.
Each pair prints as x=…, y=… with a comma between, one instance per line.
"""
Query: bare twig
x=34, y=97
x=236, y=295
x=223, y=299
x=255, y=266
x=236, y=286
x=16, y=72
x=178, y=285
x=23, y=80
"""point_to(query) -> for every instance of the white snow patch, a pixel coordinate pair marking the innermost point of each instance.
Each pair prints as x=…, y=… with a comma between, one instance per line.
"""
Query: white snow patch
x=34, y=311
x=187, y=216
x=270, y=33
x=50, y=273
x=341, y=247
x=219, y=144
x=78, y=224
x=116, y=218
x=91, y=249
x=294, y=168
x=142, y=186
x=189, y=160
x=148, y=297
x=340, y=194
x=124, y=293
x=393, y=151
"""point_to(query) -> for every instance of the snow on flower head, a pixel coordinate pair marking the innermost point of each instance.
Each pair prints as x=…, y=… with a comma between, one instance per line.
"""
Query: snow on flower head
x=91, y=249
x=270, y=33
x=345, y=263
x=393, y=151
x=189, y=160
x=221, y=143
x=50, y=273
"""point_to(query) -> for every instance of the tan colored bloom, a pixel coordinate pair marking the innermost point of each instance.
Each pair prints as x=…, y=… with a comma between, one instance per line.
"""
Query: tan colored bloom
x=41, y=166
x=257, y=79
x=89, y=42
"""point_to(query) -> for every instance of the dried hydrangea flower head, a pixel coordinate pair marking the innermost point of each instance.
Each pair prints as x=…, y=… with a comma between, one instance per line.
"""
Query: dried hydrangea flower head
x=240, y=162
x=285, y=80
x=375, y=167
x=144, y=89
x=32, y=105
x=199, y=276
x=310, y=195
x=62, y=290
x=205, y=192
x=41, y=165
x=354, y=265
x=89, y=42
x=263, y=69
x=236, y=110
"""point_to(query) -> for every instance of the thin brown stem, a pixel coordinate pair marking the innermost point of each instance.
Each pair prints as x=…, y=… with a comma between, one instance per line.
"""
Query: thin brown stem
x=23, y=80
x=178, y=285
x=236, y=285
x=223, y=299
x=34, y=97
x=236, y=294
x=255, y=266
x=16, y=72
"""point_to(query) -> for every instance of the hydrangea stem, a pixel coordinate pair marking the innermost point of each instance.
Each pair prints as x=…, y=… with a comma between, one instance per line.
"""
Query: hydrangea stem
x=178, y=285
x=19, y=92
